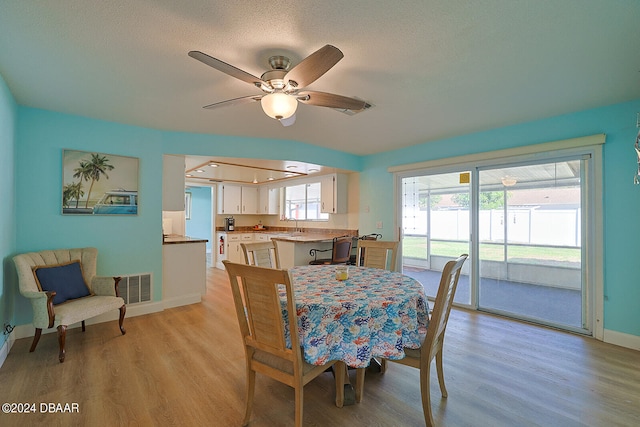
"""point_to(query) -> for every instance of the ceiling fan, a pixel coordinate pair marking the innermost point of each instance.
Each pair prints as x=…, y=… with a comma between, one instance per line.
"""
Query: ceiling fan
x=283, y=88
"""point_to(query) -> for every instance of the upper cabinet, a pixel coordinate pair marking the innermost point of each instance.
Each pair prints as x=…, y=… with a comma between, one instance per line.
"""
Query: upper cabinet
x=249, y=197
x=333, y=193
x=237, y=200
x=229, y=199
x=269, y=200
x=173, y=168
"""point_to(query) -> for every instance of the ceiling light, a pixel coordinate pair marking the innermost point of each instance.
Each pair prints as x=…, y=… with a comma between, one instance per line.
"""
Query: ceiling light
x=213, y=165
x=270, y=178
x=199, y=170
x=189, y=175
x=279, y=105
x=312, y=170
x=292, y=167
x=508, y=181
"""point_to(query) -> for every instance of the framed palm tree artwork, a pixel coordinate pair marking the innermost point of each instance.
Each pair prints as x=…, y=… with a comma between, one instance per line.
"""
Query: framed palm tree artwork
x=99, y=184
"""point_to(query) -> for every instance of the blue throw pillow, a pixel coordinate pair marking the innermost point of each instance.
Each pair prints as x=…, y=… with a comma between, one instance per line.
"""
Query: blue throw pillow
x=65, y=279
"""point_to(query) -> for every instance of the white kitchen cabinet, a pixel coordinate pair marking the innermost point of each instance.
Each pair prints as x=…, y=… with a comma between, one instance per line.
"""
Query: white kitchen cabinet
x=236, y=199
x=229, y=199
x=173, y=169
x=269, y=200
x=333, y=193
x=234, y=250
x=249, y=196
x=261, y=237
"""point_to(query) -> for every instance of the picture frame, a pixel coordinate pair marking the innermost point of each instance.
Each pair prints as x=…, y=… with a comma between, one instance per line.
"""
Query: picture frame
x=99, y=184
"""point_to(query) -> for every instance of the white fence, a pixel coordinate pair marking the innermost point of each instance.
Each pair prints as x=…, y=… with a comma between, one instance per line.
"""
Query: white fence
x=553, y=227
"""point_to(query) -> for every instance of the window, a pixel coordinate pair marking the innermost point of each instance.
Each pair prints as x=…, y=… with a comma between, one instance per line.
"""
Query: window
x=302, y=202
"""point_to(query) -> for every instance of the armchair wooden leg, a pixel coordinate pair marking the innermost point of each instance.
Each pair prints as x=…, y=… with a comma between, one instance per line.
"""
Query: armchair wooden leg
x=62, y=333
x=123, y=311
x=36, y=338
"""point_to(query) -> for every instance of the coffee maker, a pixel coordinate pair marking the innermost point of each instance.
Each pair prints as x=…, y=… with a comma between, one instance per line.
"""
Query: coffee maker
x=229, y=224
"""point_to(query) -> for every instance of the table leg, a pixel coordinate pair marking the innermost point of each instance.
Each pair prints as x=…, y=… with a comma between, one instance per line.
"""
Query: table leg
x=341, y=374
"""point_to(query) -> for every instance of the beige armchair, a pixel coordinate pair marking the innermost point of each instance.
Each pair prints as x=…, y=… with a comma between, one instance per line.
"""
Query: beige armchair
x=66, y=271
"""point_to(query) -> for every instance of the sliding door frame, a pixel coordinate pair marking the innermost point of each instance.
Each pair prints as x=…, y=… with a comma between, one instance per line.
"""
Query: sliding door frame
x=591, y=182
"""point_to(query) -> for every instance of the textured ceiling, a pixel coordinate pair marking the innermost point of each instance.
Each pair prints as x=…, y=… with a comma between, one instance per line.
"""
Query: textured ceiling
x=432, y=69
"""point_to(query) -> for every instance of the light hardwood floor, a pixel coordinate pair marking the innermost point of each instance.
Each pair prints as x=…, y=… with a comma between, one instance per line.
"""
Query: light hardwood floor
x=185, y=366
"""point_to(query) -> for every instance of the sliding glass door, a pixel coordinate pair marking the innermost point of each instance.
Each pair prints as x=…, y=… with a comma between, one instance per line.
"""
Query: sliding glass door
x=522, y=222
x=436, y=224
x=530, y=242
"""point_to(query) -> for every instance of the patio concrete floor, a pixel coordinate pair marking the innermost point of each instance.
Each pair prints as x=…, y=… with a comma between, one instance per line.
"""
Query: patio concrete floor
x=542, y=303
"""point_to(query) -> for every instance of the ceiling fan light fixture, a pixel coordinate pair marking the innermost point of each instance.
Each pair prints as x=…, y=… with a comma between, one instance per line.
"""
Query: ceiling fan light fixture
x=508, y=181
x=279, y=105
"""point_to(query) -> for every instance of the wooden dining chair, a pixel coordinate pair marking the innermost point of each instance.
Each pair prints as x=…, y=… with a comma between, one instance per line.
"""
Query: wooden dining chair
x=340, y=252
x=382, y=255
x=353, y=259
x=262, y=254
x=432, y=346
x=378, y=254
x=258, y=308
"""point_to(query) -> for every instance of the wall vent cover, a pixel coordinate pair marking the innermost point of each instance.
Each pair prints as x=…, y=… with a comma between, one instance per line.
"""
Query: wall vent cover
x=135, y=289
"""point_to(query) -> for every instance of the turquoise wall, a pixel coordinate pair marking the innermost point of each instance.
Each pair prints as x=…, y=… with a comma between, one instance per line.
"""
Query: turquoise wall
x=200, y=223
x=8, y=112
x=621, y=197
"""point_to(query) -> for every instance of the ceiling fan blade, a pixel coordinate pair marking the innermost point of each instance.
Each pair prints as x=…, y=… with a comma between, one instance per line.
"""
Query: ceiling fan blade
x=331, y=100
x=235, y=101
x=314, y=65
x=289, y=121
x=225, y=68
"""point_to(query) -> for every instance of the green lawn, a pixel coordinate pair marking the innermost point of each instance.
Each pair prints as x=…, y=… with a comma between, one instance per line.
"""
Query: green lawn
x=416, y=247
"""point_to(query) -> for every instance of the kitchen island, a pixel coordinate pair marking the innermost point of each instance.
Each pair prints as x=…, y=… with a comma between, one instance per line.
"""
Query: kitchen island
x=184, y=270
x=294, y=249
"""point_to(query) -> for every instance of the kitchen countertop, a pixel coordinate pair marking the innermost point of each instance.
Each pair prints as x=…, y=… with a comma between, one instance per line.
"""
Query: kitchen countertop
x=175, y=239
x=308, y=237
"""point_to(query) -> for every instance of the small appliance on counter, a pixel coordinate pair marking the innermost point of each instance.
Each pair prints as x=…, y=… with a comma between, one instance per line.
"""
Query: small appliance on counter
x=229, y=224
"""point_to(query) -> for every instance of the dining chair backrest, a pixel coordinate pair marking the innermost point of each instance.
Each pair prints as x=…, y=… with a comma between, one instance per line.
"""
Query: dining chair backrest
x=378, y=254
x=262, y=254
x=442, y=307
x=432, y=345
x=256, y=297
x=258, y=308
x=340, y=252
x=353, y=260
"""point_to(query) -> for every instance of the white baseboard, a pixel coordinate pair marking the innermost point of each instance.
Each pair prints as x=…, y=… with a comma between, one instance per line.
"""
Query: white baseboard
x=6, y=348
x=622, y=339
x=182, y=300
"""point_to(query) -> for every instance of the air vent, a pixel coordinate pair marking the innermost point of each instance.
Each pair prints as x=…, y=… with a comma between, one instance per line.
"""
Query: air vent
x=135, y=289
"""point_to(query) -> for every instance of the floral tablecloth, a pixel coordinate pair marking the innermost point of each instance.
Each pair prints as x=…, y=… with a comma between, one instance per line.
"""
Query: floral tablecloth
x=372, y=313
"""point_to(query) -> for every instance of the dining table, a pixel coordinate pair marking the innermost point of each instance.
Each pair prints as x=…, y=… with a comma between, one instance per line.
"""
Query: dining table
x=372, y=313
